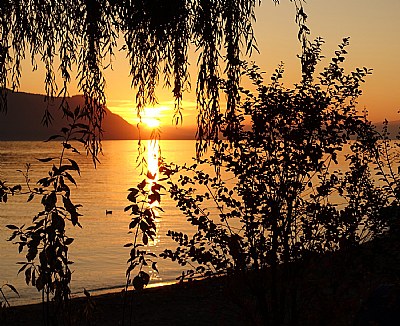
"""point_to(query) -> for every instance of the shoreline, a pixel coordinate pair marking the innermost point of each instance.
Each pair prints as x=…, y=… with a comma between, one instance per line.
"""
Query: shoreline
x=186, y=303
x=334, y=289
x=16, y=301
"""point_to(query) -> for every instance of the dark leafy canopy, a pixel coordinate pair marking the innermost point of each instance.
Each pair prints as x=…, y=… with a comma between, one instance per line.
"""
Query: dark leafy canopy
x=156, y=36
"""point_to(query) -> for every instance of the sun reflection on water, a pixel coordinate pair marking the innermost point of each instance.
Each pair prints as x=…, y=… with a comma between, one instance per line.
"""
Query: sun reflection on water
x=153, y=151
x=152, y=159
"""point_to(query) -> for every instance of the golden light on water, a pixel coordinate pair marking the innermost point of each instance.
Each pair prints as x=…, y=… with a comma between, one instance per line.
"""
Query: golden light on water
x=152, y=158
x=152, y=167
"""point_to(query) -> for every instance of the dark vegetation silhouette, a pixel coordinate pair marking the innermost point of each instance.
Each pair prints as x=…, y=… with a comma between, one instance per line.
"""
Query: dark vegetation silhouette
x=2, y=292
x=285, y=203
x=156, y=36
x=145, y=206
x=45, y=241
x=4, y=303
x=84, y=33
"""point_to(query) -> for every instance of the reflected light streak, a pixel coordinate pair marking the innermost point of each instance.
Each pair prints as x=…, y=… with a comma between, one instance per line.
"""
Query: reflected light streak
x=152, y=167
x=152, y=158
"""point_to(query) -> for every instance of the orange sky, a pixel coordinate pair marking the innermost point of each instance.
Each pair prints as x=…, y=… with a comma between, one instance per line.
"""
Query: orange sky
x=374, y=28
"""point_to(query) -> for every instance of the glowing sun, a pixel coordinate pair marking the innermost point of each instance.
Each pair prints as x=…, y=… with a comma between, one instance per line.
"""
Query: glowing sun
x=151, y=117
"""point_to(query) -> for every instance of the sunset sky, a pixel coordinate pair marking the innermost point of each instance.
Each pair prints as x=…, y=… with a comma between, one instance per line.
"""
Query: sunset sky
x=373, y=27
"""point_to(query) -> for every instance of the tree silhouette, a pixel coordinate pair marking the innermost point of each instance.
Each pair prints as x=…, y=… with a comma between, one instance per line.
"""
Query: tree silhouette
x=280, y=200
x=156, y=35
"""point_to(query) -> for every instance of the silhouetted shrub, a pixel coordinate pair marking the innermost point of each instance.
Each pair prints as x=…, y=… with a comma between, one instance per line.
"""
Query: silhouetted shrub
x=45, y=242
x=287, y=198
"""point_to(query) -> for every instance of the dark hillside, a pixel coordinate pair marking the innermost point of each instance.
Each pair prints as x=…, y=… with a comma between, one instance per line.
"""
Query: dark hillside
x=25, y=113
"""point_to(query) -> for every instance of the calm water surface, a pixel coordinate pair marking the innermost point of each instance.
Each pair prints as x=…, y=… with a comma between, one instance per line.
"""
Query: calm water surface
x=98, y=253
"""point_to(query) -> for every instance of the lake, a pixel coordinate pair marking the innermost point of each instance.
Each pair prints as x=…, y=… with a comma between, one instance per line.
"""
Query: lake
x=98, y=253
x=100, y=259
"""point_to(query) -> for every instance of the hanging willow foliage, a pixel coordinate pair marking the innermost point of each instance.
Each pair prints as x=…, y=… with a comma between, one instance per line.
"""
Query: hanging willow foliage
x=156, y=34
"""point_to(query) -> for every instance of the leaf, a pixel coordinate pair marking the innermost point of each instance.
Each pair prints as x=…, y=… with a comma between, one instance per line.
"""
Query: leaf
x=39, y=283
x=132, y=196
x=75, y=166
x=145, y=239
x=30, y=197
x=68, y=241
x=154, y=266
x=47, y=159
x=13, y=236
x=22, y=268
x=74, y=219
x=12, y=288
x=140, y=281
x=157, y=187
x=127, y=208
x=49, y=201
x=12, y=227
x=64, y=168
x=155, y=197
x=70, y=178
x=142, y=185
x=134, y=222
x=145, y=277
x=33, y=278
x=68, y=205
x=28, y=275
x=45, y=182
x=58, y=222
x=151, y=176
x=16, y=188
x=53, y=137
x=148, y=212
x=67, y=112
x=126, y=245
x=134, y=207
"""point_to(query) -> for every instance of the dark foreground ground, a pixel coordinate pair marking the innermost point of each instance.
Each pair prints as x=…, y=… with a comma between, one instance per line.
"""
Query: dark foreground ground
x=202, y=303
x=358, y=286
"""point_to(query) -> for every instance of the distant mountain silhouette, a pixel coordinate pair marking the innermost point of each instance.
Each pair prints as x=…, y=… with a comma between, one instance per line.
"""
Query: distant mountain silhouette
x=25, y=112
